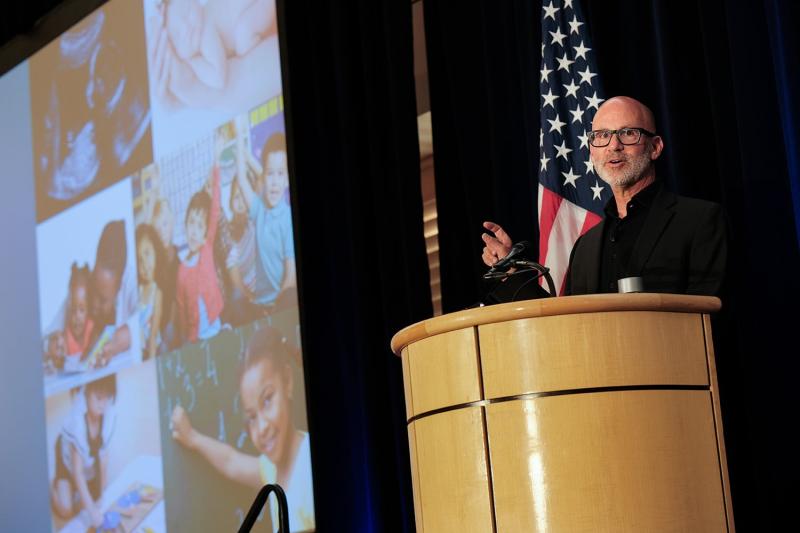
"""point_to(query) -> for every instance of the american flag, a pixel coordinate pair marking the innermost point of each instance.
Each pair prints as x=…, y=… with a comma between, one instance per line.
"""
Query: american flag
x=571, y=195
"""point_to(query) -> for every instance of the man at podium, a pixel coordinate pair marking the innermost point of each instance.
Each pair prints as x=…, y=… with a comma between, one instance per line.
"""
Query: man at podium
x=673, y=243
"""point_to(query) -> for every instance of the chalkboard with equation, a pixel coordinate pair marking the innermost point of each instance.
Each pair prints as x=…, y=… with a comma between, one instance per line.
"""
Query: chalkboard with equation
x=203, y=378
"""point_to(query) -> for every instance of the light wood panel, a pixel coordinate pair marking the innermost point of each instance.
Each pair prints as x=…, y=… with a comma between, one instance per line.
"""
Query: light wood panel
x=407, y=384
x=565, y=305
x=628, y=461
x=453, y=476
x=606, y=460
x=443, y=371
x=412, y=453
x=592, y=350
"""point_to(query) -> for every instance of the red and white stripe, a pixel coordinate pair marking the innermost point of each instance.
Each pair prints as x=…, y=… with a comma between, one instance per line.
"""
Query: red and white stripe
x=560, y=224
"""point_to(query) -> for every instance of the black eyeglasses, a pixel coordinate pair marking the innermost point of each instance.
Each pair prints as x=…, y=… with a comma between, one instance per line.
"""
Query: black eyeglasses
x=627, y=136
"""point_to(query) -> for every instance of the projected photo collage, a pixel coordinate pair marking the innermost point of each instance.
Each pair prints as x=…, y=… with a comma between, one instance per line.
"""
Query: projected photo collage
x=170, y=334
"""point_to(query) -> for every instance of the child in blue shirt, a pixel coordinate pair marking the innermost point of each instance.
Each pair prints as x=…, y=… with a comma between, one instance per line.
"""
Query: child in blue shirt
x=269, y=209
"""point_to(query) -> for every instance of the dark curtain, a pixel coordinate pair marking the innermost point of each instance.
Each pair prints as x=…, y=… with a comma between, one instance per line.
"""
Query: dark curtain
x=782, y=17
x=361, y=255
x=716, y=75
x=483, y=68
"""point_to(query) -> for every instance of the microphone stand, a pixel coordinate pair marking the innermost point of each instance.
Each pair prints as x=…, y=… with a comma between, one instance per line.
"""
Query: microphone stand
x=525, y=266
x=258, y=504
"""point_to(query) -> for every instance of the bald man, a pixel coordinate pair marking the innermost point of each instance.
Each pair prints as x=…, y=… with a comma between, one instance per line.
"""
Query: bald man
x=675, y=244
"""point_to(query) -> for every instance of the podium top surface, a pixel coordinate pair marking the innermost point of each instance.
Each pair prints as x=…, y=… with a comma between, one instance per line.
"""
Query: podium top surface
x=564, y=305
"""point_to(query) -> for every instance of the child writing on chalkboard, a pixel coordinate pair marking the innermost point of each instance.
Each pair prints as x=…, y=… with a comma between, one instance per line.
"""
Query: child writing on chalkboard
x=265, y=389
x=81, y=451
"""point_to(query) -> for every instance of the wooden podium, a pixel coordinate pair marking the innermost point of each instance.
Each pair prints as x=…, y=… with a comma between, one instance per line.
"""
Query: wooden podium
x=582, y=413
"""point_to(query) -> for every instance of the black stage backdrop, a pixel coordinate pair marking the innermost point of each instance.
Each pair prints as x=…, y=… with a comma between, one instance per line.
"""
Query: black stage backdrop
x=362, y=265
x=713, y=72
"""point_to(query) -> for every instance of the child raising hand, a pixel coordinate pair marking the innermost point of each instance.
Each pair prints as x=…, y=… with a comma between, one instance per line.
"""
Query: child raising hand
x=199, y=298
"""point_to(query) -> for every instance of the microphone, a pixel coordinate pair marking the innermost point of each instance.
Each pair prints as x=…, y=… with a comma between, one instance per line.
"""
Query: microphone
x=523, y=282
x=502, y=265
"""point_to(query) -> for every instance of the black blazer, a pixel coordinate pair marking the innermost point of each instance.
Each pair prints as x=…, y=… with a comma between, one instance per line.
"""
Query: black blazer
x=681, y=249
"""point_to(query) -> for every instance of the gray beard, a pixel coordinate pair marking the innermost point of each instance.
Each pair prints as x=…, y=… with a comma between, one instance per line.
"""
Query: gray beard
x=635, y=171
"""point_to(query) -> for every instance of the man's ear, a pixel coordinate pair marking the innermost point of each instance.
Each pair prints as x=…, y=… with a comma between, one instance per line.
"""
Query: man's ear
x=657, y=144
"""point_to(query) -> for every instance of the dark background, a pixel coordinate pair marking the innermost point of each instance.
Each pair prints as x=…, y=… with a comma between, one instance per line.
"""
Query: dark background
x=720, y=77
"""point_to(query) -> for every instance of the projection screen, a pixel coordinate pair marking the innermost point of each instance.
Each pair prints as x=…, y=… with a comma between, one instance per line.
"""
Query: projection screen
x=153, y=372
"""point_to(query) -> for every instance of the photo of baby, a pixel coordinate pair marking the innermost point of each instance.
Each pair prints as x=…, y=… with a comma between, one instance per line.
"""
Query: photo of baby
x=214, y=234
x=88, y=296
x=90, y=107
x=240, y=429
x=104, y=454
x=208, y=61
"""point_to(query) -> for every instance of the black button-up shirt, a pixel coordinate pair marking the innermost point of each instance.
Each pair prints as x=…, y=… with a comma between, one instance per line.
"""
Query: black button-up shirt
x=620, y=234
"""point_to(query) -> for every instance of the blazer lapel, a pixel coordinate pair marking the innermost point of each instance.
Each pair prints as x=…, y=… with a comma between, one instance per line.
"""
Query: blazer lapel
x=594, y=248
x=661, y=212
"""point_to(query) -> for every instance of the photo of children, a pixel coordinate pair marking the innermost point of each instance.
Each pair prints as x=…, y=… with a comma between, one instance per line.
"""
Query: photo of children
x=239, y=431
x=90, y=107
x=267, y=202
x=214, y=234
x=78, y=325
x=208, y=61
x=180, y=296
x=157, y=263
x=87, y=290
x=104, y=454
x=150, y=255
x=81, y=450
x=199, y=298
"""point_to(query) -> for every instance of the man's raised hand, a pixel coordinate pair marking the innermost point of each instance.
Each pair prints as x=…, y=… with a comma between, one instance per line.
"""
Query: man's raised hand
x=497, y=243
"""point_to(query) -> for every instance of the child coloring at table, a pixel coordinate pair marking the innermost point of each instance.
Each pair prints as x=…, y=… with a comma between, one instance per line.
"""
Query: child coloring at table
x=76, y=336
x=78, y=327
x=81, y=451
